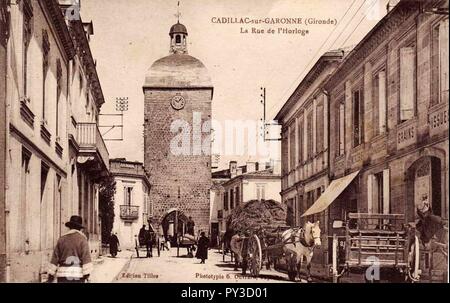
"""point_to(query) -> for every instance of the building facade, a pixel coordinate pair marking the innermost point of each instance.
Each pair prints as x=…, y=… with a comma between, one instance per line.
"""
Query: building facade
x=253, y=181
x=132, y=206
x=43, y=62
x=4, y=32
x=305, y=146
x=178, y=94
x=389, y=120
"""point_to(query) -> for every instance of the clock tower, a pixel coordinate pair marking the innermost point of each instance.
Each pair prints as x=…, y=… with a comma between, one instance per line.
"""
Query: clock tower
x=177, y=143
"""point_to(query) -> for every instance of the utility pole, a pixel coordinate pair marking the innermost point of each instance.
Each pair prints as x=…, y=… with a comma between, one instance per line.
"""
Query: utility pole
x=264, y=119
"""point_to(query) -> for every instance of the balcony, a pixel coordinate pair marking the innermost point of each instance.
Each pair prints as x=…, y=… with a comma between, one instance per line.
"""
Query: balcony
x=92, y=148
x=129, y=212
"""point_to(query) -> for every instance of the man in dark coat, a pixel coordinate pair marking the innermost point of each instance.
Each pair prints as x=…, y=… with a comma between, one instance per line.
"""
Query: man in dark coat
x=71, y=261
x=113, y=245
x=202, y=251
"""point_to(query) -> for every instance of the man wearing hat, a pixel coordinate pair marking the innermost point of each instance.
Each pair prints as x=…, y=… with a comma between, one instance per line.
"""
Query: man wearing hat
x=71, y=260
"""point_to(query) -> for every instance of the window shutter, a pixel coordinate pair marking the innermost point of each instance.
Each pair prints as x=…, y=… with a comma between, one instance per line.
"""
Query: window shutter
x=443, y=58
x=382, y=101
x=341, y=129
x=407, y=68
x=386, y=193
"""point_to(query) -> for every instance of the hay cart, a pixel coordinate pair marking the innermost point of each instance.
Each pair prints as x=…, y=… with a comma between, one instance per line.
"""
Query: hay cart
x=262, y=246
x=141, y=248
x=373, y=243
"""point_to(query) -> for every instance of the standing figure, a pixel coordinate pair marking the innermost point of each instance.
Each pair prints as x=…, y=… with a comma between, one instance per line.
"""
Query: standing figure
x=71, y=260
x=190, y=226
x=113, y=244
x=202, y=251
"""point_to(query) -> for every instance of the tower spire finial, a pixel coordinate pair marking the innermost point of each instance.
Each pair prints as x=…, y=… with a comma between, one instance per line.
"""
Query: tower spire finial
x=178, y=14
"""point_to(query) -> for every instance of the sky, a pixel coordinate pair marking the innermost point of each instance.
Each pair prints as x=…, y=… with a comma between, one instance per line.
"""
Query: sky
x=129, y=35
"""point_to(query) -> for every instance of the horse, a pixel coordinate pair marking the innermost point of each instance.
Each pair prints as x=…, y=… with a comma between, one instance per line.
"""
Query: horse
x=299, y=243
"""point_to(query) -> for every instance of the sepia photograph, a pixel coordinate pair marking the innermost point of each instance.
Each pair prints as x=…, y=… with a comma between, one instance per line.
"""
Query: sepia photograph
x=224, y=141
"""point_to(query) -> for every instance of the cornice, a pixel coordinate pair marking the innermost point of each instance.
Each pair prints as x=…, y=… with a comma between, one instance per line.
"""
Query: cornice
x=57, y=18
x=83, y=51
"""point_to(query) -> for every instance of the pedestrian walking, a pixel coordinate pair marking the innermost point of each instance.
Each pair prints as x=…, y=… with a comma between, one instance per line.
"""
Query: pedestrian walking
x=202, y=251
x=113, y=245
x=71, y=260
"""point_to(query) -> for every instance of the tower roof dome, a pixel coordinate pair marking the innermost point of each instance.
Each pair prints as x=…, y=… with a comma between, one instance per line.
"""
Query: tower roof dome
x=178, y=28
x=178, y=71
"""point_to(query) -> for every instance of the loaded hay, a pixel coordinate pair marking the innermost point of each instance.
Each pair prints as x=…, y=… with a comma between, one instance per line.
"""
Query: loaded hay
x=255, y=214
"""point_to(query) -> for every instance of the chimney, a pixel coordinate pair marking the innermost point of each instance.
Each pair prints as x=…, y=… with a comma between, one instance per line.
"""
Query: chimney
x=391, y=4
x=251, y=167
x=277, y=167
x=233, y=169
x=239, y=171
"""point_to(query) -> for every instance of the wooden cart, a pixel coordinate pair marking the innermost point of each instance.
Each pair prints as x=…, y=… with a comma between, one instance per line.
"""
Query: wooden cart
x=141, y=250
x=187, y=242
x=262, y=246
x=374, y=242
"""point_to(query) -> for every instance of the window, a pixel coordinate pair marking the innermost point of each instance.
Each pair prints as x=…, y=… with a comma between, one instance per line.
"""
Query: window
x=238, y=196
x=178, y=39
x=380, y=104
x=358, y=117
x=407, y=83
x=27, y=33
x=439, y=61
x=300, y=141
x=341, y=128
x=319, y=128
x=45, y=68
x=309, y=129
x=378, y=192
x=128, y=195
x=225, y=201
x=292, y=148
x=260, y=191
x=231, y=198
x=44, y=174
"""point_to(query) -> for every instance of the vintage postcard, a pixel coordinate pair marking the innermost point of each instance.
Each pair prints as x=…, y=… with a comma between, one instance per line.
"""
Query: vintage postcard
x=224, y=141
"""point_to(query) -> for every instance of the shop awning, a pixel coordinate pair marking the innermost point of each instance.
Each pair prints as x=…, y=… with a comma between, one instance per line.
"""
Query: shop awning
x=333, y=191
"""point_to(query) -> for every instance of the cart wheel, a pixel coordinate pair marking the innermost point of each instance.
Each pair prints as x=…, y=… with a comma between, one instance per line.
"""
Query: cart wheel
x=255, y=255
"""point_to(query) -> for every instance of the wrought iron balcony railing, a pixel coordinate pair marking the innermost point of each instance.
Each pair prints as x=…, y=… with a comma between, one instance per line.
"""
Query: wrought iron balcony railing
x=91, y=142
x=129, y=212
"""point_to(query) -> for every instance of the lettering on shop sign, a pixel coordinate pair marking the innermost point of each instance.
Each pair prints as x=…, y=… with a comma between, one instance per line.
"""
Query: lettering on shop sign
x=406, y=136
x=438, y=121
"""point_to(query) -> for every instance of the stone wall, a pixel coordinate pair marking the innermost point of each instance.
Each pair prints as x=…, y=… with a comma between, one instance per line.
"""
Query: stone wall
x=178, y=181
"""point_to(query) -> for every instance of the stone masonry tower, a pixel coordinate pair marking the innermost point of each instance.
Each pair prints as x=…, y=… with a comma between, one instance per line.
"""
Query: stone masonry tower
x=178, y=94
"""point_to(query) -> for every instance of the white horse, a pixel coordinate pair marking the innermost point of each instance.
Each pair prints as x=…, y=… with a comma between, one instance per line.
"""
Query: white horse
x=299, y=243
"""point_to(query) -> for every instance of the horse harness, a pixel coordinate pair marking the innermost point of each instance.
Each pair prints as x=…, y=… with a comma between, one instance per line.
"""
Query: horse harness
x=302, y=238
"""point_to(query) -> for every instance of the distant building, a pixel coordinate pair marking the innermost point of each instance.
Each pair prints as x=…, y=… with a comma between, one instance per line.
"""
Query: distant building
x=132, y=206
x=240, y=184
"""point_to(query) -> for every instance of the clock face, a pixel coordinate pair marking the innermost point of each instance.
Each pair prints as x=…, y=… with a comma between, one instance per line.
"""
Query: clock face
x=178, y=102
